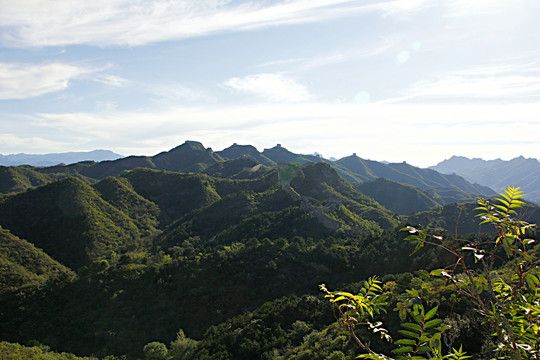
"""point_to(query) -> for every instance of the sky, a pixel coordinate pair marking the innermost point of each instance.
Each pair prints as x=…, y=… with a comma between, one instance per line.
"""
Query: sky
x=395, y=80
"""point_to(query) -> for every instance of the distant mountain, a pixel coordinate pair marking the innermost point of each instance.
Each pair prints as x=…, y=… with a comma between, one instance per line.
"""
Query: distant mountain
x=279, y=154
x=449, y=188
x=57, y=158
x=236, y=151
x=497, y=174
x=246, y=162
x=442, y=188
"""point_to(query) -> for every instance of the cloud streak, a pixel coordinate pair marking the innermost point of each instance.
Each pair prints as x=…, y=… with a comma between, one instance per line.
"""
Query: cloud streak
x=22, y=81
x=272, y=87
x=29, y=23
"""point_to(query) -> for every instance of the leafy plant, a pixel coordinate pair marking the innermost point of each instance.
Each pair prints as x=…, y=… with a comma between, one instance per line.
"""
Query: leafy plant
x=508, y=299
x=354, y=309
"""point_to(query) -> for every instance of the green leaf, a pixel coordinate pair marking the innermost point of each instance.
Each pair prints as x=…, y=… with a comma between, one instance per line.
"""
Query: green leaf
x=532, y=281
x=423, y=349
x=431, y=313
x=405, y=342
x=436, y=272
x=422, y=273
x=432, y=323
x=409, y=334
x=411, y=326
x=418, y=247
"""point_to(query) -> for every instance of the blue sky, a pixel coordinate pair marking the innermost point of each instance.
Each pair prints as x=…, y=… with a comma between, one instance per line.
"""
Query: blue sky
x=406, y=80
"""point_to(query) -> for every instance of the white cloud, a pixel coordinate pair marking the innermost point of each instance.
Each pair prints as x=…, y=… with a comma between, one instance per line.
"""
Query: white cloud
x=39, y=23
x=273, y=87
x=21, y=81
x=31, y=23
x=112, y=80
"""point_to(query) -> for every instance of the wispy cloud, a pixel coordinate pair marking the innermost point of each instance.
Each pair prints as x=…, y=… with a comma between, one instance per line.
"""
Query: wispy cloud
x=122, y=22
x=21, y=81
x=273, y=87
x=172, y=93
x=509, y=81
x=111, y=80
x=309, y=63
x=32, y=144
x=27, y=23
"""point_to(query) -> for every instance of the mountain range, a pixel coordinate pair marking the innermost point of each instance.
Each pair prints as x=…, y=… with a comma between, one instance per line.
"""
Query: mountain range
x=497, y=174
x=57, y=158
x=245, y=161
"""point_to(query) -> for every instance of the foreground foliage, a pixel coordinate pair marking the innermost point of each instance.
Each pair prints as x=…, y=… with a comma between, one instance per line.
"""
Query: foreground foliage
x=507, y=299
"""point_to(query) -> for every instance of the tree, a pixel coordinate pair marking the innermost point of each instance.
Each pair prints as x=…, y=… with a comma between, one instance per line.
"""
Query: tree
x=506, y=297
x=155, y=351
x=182, y=347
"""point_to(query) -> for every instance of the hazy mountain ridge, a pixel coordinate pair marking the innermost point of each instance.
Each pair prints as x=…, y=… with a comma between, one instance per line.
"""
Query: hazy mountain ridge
x=57, y=158
x=497, y=174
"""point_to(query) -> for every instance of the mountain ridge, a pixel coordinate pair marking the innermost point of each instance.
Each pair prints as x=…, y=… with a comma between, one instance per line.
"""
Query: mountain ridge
x=193, y=156
x=497, y=174
x=51, y=159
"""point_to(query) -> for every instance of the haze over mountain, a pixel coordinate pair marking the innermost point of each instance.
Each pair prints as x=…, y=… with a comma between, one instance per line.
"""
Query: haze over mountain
x=57, y=158
x=497, y=174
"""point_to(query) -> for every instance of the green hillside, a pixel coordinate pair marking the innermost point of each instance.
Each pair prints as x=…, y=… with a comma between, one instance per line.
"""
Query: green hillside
x=400, y=198
x=321, y=182
x=16, y=179
x=120, y=194
x=240, y=168
x=176, y=194
x=70, y=222
x=22, y=264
